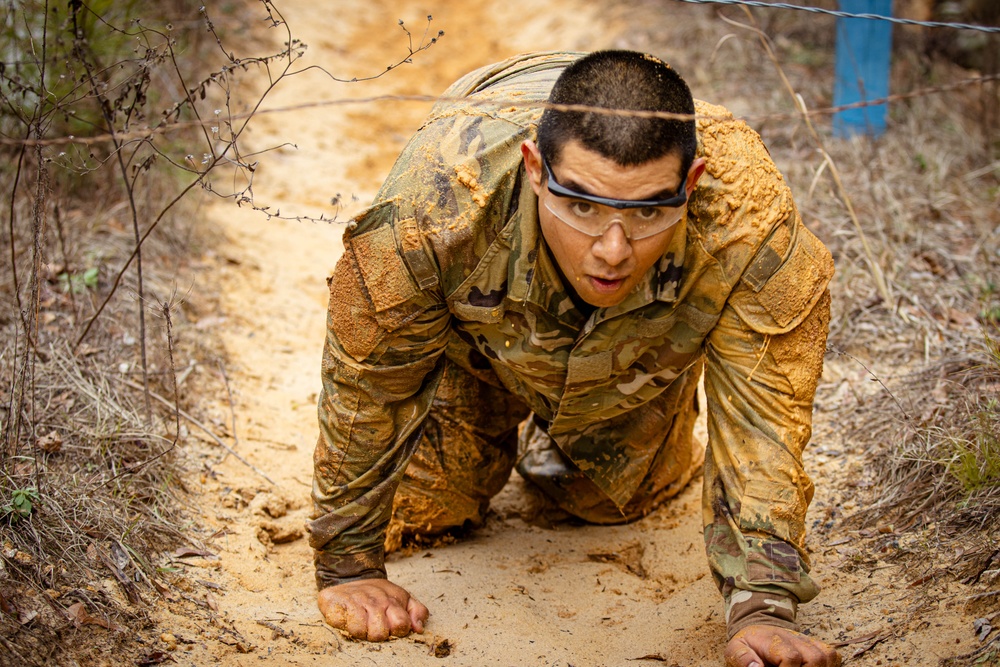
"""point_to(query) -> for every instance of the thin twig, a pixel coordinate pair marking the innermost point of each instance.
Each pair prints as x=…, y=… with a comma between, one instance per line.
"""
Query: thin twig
x=204, y=428
x=232, y=410
x=130, y=192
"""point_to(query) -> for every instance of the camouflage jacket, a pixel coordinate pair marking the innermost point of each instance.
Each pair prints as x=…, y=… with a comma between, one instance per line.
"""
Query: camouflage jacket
x=452, y=245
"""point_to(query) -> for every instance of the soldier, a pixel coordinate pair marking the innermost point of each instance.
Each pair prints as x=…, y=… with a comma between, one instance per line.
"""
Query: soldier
x=578, y=281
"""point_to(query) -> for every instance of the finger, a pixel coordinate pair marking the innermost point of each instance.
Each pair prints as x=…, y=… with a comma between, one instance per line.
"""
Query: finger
x=398, y=619
x=741, y=655
x=336, y=608
x=790, y=649
x=378, y=625
x=356, y=620
x=418, y=614
x=333, y=612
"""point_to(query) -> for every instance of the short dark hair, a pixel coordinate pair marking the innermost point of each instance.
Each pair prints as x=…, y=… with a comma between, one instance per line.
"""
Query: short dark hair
x=625, y=80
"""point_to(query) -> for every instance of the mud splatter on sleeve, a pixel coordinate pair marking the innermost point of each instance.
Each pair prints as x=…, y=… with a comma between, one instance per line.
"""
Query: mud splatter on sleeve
x=763, y=360
x=438, y=211
x=380, y=371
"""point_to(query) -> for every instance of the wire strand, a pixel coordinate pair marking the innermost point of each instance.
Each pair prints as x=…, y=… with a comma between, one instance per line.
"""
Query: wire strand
x=848, y=15
x=505, y=103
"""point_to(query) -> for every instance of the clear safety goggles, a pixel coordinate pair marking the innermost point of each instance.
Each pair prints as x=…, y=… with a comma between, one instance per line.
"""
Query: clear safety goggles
x=594, y=215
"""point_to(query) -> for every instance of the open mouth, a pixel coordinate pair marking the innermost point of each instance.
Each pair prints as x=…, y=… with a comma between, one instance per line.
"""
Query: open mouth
x=606, y=285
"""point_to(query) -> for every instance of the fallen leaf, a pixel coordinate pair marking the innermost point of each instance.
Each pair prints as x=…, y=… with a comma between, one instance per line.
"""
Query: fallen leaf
x=51, y=443
x=79, y=616
x=6, y=607
x=982, y=627
x=154, y=658
x=186, y=552
x=165, y=591
x=212, y=604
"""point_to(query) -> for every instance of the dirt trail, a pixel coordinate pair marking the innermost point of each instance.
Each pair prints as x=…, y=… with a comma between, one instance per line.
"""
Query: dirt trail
x=512, y=593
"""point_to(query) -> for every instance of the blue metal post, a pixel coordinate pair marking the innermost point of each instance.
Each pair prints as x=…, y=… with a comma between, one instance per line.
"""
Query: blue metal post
x=863, y=54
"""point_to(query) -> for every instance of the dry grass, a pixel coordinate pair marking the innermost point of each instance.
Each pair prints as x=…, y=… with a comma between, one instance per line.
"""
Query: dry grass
x=944, y=463
x=91, y=490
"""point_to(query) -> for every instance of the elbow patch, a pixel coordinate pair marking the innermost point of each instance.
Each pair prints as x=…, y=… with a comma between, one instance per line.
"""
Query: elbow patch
x=785, y=280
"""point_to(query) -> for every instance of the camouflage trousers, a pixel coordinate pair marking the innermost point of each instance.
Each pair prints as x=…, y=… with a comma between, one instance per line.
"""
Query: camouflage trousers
x=477, y=431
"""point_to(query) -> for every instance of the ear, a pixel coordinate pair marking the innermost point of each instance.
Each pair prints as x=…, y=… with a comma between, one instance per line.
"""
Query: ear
x=694, y=173
x=532, y=164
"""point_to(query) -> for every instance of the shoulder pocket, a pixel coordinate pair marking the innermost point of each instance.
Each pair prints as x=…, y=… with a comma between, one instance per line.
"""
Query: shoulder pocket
x=786, y=278
x=387, y=280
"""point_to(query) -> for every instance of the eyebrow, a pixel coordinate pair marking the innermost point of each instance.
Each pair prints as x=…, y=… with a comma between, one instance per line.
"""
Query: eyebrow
x=573, y=185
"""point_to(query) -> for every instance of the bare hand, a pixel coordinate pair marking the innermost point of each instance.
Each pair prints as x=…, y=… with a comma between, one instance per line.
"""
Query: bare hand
x=372, y=609
x=761, y=645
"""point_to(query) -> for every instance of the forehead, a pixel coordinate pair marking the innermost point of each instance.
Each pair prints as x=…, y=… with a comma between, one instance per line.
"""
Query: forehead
x=582, y=169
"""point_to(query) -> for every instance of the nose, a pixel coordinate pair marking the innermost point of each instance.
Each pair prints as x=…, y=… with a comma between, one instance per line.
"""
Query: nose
x=613, y=247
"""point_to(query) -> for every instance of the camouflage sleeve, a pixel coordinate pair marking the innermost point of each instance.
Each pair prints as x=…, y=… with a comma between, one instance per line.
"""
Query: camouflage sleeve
x=764, y=359
x=380, y=370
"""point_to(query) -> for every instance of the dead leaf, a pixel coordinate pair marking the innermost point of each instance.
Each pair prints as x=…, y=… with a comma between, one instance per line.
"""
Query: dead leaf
x=79, y=616
x=121, y=558
x=6, y=607
x=51, y=443
x=154, y=658
x=165, y=591
x=130, y=589
x=186, y=552
x=212, y=604
x=982, y=628
x=657, y=657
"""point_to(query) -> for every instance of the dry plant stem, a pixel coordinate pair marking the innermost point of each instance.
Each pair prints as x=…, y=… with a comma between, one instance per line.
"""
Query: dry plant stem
x=876, y=270
x=168, y=127
x=165, y=311
x=65, y=256
x=204, y=428
x=135, y=251
x=200, y=179
x=129, y=191
x=11, y=218
x=850, y=356
x=232, y=410
x=38, y=233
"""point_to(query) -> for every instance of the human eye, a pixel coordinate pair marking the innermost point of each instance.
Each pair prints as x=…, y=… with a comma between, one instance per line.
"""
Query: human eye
x=648, y=214
x=582, y=209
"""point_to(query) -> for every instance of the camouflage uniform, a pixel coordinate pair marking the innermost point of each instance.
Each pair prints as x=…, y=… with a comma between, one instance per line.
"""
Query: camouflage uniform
x=449, y=325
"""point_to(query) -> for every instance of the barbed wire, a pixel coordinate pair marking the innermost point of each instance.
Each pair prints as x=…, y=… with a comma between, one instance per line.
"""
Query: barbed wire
x=506, y=103
x=849, y=15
